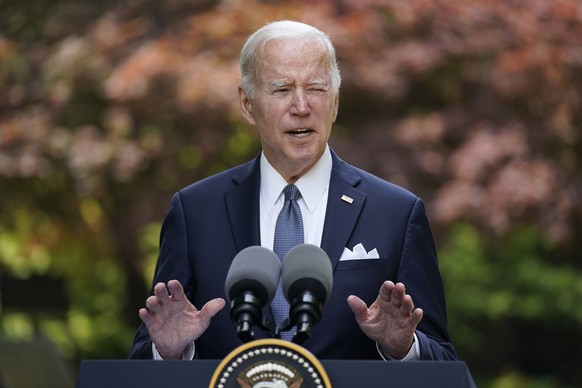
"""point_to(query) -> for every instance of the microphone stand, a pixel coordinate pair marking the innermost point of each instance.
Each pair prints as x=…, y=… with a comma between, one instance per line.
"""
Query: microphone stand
x=305, y=312
x=245, y=310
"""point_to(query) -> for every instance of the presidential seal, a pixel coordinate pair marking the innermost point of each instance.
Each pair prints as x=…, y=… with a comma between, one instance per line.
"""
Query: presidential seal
x=270, y=363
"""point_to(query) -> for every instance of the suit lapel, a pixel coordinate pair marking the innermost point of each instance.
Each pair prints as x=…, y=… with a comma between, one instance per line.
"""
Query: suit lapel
x=344, y=205
x=242, y=205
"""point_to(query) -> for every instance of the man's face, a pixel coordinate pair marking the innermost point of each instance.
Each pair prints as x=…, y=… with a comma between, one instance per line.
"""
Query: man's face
x=294, y=105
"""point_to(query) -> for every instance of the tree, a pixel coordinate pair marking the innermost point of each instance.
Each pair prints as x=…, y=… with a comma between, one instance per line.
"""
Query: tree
x=109, y=108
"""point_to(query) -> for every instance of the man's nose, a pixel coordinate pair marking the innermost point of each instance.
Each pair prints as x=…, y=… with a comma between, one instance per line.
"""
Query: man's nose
x=300, y=102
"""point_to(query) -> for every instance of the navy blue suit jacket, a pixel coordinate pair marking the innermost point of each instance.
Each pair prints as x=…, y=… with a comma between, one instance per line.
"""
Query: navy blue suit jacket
x=210, y=221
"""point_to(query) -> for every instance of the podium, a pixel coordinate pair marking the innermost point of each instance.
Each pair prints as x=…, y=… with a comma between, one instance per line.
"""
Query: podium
x=344, y=373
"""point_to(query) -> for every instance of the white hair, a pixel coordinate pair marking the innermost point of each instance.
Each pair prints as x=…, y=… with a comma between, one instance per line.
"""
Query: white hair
x=251, y=60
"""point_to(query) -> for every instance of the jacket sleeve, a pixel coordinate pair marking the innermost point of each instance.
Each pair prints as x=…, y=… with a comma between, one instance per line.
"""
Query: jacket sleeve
x=419, y=272
x=172, y=263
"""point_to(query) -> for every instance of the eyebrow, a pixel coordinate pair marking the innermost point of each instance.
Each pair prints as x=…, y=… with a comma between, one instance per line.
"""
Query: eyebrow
x=278, y=84
x=316, y=82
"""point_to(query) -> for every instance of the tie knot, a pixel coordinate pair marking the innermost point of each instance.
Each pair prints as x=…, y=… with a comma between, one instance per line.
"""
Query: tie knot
x=291, y=193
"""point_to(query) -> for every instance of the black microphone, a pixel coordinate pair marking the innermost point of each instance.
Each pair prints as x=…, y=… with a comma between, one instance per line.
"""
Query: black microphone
x=250, y=285
x=307, y=282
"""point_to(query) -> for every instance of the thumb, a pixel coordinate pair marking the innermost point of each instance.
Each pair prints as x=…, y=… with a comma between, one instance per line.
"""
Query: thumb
x=358, y=307
x=212, y=307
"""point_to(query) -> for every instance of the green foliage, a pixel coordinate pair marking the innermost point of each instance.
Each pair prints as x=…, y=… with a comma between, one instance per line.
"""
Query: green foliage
x=494, y=284
x=36, y=244
x=149, y=243
x=520, y=280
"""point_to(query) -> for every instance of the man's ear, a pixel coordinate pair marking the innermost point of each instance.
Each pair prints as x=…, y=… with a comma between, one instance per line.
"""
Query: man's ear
x=246, y=106
x=335, y=106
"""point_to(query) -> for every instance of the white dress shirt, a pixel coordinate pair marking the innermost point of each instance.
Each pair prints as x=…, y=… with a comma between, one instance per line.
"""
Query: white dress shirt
x=313, y=187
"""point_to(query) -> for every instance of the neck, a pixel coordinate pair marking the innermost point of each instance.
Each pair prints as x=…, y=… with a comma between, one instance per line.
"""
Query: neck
x=292, y=176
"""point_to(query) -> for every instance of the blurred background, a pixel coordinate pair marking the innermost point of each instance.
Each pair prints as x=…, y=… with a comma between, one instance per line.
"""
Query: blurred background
x=107, y=108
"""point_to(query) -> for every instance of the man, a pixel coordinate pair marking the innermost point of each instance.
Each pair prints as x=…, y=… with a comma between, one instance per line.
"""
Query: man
x=375, y=233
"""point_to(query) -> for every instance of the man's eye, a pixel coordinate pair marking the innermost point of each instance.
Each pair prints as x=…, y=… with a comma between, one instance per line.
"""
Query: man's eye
x=316, y=90
x=281, y=90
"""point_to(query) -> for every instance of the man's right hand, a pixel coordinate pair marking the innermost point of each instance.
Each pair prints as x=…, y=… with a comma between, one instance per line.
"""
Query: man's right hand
x=173, y=322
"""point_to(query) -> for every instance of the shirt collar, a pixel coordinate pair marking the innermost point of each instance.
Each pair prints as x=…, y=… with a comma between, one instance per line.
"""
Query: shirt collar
x=312, y=185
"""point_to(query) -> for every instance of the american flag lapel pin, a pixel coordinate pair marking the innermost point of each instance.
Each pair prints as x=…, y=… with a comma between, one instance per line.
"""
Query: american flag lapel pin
x=347, y=199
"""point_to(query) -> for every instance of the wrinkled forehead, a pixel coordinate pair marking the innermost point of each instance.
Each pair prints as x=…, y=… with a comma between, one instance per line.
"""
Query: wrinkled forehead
x=298, y=56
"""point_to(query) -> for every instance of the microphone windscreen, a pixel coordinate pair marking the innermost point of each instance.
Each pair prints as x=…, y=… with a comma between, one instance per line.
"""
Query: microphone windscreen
x=307, y=268
x=255, y=269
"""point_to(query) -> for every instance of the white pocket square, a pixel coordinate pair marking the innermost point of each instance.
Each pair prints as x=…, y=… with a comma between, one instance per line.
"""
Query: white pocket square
x=359, y=253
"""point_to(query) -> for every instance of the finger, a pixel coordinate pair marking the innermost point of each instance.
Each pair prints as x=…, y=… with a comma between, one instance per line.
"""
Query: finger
x=358, y=307
x=153, y=305
x=212, y=307
x=161, y=291
x=407, y=305
x=399, y=289
x=386, y=291
x=417, y=316
x=145, y=316
x=387, y=287
x=176, y=290
x=398, y=294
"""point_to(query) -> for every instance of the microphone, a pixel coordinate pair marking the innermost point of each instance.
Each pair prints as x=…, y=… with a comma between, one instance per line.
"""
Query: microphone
x=307, y=282
x=250, y=285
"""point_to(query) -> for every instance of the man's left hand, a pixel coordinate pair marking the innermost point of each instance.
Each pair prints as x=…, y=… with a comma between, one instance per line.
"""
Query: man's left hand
x=391, y=320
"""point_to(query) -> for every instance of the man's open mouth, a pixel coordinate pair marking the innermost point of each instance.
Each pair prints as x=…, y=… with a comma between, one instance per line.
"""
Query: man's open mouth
x=300, y=132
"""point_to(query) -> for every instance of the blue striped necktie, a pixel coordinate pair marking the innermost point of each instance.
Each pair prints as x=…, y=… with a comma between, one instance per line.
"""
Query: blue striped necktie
x=288, y=233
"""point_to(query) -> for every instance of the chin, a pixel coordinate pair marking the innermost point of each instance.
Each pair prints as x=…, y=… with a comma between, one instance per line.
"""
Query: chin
x=306, y=156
